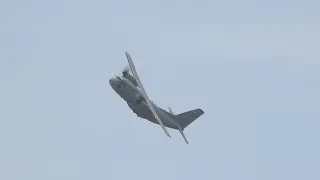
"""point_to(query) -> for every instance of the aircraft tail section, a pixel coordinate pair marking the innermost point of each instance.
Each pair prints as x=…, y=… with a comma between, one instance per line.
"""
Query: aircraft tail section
x=186, y=118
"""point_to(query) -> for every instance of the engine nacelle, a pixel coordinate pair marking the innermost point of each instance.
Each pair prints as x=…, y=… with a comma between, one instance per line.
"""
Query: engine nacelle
x=135, y=105
x=139, y=99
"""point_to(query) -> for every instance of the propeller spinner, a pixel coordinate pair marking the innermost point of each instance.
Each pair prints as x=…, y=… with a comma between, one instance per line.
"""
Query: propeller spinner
x=126, y=70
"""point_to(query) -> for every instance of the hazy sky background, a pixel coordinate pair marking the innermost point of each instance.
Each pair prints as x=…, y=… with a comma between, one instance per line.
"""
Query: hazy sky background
x=253, y=67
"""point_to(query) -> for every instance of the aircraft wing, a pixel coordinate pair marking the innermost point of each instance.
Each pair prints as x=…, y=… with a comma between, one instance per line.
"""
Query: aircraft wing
x=143, y=92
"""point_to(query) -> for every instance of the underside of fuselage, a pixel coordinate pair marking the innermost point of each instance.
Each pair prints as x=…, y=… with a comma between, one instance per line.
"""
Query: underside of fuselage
x=137, y=105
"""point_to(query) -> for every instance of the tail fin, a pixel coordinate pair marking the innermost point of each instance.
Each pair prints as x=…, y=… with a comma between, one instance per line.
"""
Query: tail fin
x=186, y=118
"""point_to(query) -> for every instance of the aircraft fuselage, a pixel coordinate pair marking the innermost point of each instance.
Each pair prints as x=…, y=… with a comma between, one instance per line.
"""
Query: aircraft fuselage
x=131, y=94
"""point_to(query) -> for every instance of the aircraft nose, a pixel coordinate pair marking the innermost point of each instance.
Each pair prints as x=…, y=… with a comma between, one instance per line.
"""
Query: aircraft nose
x=112, y=82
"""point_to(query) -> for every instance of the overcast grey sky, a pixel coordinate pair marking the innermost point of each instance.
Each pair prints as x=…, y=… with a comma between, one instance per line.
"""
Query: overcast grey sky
x=253, y=67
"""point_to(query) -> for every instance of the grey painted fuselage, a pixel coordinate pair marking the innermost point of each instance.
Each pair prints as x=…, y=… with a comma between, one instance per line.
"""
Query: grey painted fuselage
x=131, y=94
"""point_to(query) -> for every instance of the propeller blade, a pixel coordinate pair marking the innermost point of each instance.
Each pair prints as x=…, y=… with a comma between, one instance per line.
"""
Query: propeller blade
x=125, y=70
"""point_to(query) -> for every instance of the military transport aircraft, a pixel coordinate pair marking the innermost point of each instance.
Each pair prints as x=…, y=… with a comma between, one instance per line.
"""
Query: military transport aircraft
x=129, y=88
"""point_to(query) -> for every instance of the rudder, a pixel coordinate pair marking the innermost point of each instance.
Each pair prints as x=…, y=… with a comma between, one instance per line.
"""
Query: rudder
x=186, y=118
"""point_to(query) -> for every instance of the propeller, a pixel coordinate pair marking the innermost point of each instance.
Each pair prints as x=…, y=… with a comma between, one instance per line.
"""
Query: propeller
x=126, y=70
x=127, y=73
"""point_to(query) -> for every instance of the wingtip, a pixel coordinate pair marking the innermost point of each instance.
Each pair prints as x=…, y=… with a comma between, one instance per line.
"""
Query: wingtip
x=128, y=56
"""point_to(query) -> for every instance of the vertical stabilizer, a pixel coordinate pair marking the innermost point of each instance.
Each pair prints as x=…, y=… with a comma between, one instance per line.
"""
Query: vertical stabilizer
x=186, y=118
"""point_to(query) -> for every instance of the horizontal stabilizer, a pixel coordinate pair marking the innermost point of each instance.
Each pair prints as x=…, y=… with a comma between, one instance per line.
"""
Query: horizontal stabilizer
x=170, y=110
x=184, y=137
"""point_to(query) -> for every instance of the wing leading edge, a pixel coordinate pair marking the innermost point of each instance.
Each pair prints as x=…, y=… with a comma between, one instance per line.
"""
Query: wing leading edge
x=144, y=94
